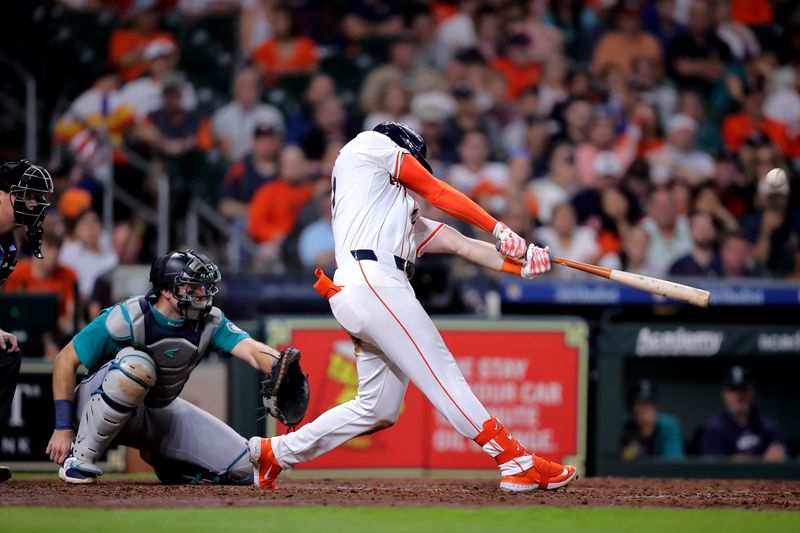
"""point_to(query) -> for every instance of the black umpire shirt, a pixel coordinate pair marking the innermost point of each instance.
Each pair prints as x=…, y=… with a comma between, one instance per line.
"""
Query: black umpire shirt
x=8, y=254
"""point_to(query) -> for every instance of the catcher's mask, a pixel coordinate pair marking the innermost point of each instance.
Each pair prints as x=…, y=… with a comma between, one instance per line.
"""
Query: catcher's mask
x=404, y=136
x=191, y=277
x=30, y=187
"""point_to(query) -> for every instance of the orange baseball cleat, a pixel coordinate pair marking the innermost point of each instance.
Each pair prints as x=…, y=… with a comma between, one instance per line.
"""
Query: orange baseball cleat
x=543, y=475
x=265, y=466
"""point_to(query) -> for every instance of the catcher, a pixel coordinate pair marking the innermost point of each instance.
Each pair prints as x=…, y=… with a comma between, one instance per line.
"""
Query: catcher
x=139, y=354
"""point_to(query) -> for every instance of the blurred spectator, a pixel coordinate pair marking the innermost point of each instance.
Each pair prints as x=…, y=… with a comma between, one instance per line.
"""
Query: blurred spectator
x=678, y=159
x=330, y=127
x=99, y=117
x=403, y=69
x=432, y=51
x=708, y=136
x=393, y=106
x=588, y=202
x=774, y=229
x=316, y=247
x=752, y=12
x=740, y=39
x=705, y=199
x=46, y=275
x=374, y=18
x=702, y=260
x=553, y=85
x=255, y=24
x=731, y=183
x=245, y=177
x=660, y=20
x=144, y=95
x=457, y=28
x=233, y=124
x=783, y=102
x=474, y=168
x=652, y=137
x=488, y=30
x=172, y=130
x=127, y=46
x=577, y=118
x=529, y=110
x=287, y=51
x=559, y=185
x=740, y=431
x=545, y=39
x=205, y=8
x=633, y=254
x=698, y=58
x=567, y=239
x=517, y=65
x=87, y=251
x=738, y=127
x=467, y=117
x=127, y=241
x=736, y=256
x=629, y=42
x=275, y=205
x=667, y=231
x=653, y=87
x=646, y=432
x=320, y=88
x=602, y=138
x=618, y=212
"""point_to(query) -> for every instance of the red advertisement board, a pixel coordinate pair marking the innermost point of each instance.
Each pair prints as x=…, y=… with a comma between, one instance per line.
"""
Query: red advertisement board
x=530, y=375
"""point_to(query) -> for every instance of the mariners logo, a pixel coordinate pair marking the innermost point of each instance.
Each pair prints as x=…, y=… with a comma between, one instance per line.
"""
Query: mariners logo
x=233, y=328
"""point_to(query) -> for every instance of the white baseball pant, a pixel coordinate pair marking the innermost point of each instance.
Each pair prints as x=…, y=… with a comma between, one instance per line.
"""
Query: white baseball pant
x=398, y=342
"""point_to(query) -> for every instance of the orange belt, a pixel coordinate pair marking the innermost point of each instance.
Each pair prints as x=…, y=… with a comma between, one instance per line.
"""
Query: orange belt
x=325, y=285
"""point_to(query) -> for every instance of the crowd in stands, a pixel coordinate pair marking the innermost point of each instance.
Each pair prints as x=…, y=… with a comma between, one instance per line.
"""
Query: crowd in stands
x=633, y=134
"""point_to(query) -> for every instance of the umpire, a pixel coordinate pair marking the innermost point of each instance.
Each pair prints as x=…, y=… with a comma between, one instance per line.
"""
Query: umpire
x=24, y=199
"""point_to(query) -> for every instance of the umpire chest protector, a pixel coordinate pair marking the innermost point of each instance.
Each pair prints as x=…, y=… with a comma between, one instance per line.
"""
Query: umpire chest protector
x=176, y=352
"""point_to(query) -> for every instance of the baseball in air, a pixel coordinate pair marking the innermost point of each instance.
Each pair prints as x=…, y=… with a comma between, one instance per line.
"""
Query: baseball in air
x=776, y=178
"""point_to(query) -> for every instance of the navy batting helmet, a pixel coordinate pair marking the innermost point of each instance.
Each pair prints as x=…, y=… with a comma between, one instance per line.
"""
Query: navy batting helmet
x=407, y=138
x=174, y=269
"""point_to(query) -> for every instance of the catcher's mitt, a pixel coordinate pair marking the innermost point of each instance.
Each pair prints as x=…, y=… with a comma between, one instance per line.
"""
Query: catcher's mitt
x=285, y=389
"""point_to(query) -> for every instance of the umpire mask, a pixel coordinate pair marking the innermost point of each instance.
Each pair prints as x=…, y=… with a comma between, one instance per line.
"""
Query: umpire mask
x=30, y=188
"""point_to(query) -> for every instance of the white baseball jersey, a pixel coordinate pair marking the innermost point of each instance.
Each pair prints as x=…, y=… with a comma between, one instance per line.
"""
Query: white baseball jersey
x=371, y=209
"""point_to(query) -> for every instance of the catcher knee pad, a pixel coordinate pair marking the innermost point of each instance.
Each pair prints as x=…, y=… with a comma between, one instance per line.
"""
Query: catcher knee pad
x=132, y=374
x=124, y=388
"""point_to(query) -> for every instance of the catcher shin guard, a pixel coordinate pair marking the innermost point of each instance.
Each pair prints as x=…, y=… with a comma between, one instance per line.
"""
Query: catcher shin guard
x=510, y=455
x=124, y=388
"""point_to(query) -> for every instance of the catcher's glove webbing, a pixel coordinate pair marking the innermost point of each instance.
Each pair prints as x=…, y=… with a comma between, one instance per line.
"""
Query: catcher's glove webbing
x=285, y=389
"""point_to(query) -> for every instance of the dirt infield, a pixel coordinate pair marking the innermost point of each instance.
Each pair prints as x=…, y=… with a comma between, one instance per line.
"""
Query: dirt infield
x=597, y=492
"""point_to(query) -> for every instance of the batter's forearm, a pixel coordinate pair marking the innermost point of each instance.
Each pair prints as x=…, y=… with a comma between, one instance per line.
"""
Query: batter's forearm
x=481, y=253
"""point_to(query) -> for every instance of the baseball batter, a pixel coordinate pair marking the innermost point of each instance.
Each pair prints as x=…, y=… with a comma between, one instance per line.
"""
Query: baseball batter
x=139, y=354
x=378, y=235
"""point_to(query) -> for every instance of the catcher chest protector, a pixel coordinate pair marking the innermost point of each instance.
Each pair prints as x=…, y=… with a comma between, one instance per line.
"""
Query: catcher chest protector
x=176, y=353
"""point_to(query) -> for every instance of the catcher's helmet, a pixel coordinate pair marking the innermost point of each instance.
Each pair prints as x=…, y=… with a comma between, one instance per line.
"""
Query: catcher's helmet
x=407, y=138
x=31, y=187
x=174, y=269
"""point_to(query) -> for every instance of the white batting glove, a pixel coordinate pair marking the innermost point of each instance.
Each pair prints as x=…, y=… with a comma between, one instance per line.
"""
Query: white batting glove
x=537, y=261
x=508, y=243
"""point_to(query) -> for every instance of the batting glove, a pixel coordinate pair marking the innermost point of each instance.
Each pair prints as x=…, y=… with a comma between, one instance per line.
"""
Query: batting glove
x=537, y=261
x=508, y=243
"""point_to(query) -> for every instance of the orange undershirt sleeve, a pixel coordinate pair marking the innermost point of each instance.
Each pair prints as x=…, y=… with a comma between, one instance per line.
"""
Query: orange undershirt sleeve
x=443, y=196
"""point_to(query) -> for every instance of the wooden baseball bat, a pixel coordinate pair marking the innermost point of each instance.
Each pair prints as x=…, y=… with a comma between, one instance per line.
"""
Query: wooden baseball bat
x=676, y=291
